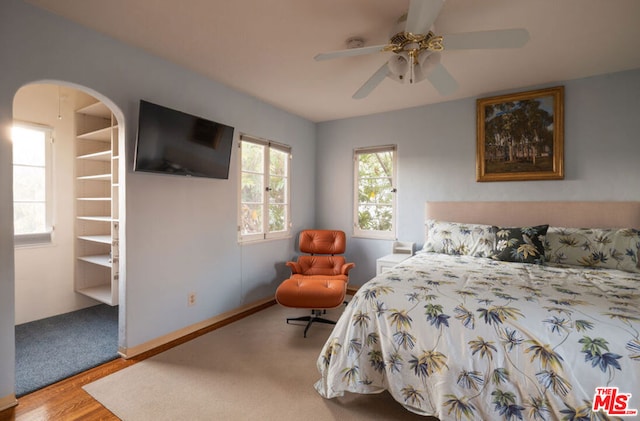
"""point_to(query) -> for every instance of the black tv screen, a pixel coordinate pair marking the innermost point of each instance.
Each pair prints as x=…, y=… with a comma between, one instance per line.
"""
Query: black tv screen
x=173, y=142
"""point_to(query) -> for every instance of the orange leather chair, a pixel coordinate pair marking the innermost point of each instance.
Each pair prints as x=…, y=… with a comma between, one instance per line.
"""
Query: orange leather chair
x=319, y=280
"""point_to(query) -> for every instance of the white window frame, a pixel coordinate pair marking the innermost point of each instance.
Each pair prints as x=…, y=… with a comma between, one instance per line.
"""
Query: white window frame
x=265, y=234
x=376, y=234
x=45, y=237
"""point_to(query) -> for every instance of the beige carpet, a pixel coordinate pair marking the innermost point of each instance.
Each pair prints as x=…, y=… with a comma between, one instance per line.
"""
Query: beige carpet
x=258, y=368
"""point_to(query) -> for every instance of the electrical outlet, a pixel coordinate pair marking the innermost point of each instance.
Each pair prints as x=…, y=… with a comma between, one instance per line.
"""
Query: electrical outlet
x=191, y=299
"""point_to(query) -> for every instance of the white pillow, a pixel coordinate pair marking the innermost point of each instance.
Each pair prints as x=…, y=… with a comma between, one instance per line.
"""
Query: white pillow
x=597, y=247
x=458, y=238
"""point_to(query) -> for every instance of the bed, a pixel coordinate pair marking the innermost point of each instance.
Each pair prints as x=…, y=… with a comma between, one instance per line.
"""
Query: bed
x=510, y=311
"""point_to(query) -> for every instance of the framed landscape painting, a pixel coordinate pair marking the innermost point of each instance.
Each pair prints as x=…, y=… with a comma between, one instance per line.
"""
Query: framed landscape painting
x=520, y=136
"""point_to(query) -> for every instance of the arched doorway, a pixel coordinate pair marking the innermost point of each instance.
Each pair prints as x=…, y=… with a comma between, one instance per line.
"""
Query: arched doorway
x=78, y=266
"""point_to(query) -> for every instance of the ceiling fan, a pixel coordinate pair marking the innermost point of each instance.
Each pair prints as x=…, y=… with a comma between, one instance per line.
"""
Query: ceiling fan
x=416, y=49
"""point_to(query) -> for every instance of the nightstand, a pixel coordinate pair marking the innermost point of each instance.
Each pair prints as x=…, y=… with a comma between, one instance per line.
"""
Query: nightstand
x=401, y=251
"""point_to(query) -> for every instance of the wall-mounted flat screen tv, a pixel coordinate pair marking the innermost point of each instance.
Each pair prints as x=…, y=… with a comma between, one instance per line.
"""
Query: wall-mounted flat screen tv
x=173, y=142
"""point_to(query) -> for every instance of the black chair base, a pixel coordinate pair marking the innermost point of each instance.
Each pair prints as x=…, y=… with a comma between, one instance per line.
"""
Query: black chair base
x=313, y=318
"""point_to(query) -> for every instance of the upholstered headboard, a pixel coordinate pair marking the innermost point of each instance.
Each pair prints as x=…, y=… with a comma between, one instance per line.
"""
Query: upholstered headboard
x=559, y=214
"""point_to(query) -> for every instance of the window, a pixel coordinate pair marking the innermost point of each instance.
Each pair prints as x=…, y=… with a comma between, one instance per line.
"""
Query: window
x=264, y=189
x=32, y=196
x=375, y=198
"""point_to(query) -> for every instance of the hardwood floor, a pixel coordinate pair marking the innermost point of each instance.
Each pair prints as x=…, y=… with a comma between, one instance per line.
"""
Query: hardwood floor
x=66, y=400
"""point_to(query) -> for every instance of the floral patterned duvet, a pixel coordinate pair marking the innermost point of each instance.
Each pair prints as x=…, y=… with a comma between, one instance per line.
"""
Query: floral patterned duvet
x=462, y=337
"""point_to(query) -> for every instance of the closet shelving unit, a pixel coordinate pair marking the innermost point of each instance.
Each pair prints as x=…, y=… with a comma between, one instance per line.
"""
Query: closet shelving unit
x=97, y=226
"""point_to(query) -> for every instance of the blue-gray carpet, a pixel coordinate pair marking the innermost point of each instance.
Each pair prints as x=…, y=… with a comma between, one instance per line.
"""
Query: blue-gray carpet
x=58, y=347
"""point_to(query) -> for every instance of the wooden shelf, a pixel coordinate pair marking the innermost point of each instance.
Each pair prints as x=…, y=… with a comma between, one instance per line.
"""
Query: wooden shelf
x=96, y=273
x=96, y=218
x=103, y=135
x=99, y=259
x=97, y=156
x=97, y=177
x=95, y=199
x=103, y=239
x=101, y=293
x=97, y=109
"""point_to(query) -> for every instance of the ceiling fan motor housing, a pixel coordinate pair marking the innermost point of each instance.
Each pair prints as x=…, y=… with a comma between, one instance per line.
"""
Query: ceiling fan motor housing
x=406, y=41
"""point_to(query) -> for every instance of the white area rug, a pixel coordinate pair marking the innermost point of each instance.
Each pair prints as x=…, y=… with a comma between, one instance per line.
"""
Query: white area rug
x=258, y=368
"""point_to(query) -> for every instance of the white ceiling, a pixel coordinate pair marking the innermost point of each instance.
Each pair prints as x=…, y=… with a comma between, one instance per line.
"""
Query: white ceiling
x=265, y=48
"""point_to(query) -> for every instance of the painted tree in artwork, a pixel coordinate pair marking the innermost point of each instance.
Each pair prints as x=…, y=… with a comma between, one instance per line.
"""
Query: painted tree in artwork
x=518, y=132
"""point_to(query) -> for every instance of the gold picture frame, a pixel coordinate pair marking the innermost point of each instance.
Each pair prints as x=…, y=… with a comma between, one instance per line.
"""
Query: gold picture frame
x=521, y=136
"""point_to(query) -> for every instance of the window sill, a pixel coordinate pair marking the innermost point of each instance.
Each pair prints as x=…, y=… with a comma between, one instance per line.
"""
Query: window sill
x=375, y=236
x=263, y=240
x=32, y=240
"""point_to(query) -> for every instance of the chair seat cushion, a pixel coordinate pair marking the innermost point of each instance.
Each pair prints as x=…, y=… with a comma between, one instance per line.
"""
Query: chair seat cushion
x=314, y=292
x=343, y=278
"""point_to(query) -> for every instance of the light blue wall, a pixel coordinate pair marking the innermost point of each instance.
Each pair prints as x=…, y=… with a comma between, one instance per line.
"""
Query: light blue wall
x=180, y=232
x=437, y=158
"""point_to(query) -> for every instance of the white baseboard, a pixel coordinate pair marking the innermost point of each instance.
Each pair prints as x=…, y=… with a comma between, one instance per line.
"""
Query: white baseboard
x=7, y=402
x=162, y=340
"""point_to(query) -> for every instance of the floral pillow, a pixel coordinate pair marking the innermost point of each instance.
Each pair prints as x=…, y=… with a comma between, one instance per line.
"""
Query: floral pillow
x=597, y=247
x=458, y=238
x=520, y=244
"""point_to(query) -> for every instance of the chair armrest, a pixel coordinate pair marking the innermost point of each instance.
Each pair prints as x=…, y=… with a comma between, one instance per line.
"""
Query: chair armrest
x=295, y=267
x=346, y=268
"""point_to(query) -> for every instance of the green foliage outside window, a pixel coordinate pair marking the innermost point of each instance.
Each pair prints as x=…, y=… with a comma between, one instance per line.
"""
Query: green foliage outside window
x=278, y=183
x=252, y=187
x=262, y=191
x=375, y=190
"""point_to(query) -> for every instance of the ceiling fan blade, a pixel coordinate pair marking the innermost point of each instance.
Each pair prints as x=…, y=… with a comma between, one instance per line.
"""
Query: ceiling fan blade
x=421, y=15
x=500, y=38
x=372, y=83
x=350, y=52
x=442, y=80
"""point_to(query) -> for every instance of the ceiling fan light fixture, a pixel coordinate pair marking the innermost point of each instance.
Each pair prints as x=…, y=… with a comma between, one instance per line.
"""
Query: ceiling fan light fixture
x=399, y=65
x=429, y=61
x=416, y=49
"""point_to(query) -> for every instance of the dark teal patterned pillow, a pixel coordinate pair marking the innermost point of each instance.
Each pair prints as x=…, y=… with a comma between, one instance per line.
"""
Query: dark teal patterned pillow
x=520, y=244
